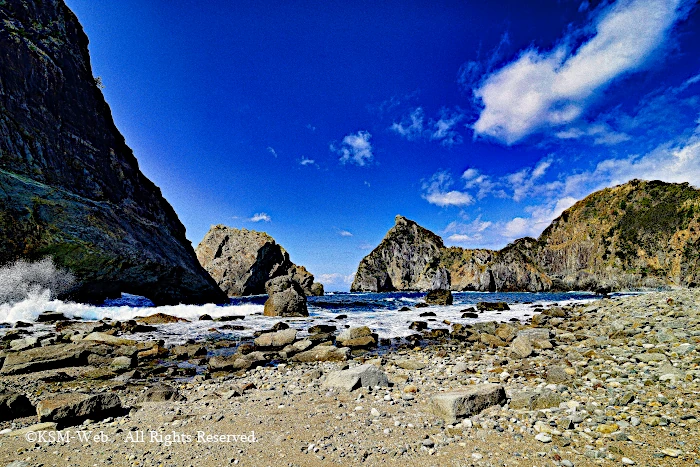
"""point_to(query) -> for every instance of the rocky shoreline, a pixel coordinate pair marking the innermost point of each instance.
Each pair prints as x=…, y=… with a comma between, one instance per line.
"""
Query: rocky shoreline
x=611, y=382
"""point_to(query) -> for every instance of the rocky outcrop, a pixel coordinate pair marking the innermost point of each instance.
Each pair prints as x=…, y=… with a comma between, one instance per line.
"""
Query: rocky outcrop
x=639, y=234
x=408, y=258
x=242, y=261
x=70, y=187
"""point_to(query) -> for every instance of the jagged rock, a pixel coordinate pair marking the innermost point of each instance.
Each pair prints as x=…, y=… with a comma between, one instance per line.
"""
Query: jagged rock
x=14, y=405
x=242, y=261
x=439, y=297
x=406, y=259
x=72, y=408
x=286, y=298
x=366, y=375
x=452, y=406
x=70, y=187
x=639, y=234
x=323, y=353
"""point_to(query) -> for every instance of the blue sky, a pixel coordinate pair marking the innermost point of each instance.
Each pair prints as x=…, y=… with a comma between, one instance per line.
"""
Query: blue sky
x=318, y=122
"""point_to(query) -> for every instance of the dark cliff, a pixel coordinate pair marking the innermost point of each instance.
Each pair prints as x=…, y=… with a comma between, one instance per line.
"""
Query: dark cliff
x=70, y=187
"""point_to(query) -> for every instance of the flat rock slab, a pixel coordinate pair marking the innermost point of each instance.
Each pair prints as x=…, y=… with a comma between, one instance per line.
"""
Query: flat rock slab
x=45, y=358
x=104, y=338
x=410, y=364
x=14, y=405
x=46, y=426
x=276, y=339
x=452, y=406
x=366, y=375
x=323, y=353
x=73, y=408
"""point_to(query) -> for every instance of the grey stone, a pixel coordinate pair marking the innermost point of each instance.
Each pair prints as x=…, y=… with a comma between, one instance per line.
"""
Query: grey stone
x=452, y=406
x=276, y=339
x=72, y=408
x=366, y=375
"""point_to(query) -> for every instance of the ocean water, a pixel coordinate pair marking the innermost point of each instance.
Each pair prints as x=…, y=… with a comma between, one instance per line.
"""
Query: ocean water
x=379, y=311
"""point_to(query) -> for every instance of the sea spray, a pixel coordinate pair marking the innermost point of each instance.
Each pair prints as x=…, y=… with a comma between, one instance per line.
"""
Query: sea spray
x=21, y=280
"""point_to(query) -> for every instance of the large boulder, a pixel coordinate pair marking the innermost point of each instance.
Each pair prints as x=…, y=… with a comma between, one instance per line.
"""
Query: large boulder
x=366, y=375
x=242, y=261
x=286, y=298
x=439, y=297
x=73, y=408
x=70, y=187
x=452, y=406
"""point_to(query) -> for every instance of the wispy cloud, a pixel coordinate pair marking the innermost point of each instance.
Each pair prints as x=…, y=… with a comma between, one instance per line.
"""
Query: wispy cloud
x=414, y=126
x=355, y=149
x=272, y=151
x=463, y=233
x=524, y=181
x=438, y=191
x=365, y=246
x=260, y=217
x=411, y=126
x=306, y=161
x=551, y=90
x=310, y=127
x=344, y=233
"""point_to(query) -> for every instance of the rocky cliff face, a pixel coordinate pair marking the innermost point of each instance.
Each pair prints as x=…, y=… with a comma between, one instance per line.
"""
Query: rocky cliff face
x=407, y=259
x=639, y=234
x=241, y=262
x=70, y=187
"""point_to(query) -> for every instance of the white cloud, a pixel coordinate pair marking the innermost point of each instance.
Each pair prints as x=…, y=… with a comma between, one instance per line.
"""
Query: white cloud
x=306, y=161
x=355, y=149
x=437, y=191
x=444, y=128
x=462, y=233
x=335, y=281
x=344, y=233
x=523, y=183
x=260, y=217
x=601, y=133
x=542, y=90
x=272, y=151
x=539, y=219
x=672, y=163
x=411, y=126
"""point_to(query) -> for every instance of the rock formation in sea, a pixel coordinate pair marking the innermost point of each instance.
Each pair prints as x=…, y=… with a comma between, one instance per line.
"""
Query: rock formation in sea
x=70, y=187
x=639, y=234
x=408, y=258
x=241, y=262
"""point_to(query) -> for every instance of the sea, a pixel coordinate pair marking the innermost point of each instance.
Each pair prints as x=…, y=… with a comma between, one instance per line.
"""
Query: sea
x=243, y=316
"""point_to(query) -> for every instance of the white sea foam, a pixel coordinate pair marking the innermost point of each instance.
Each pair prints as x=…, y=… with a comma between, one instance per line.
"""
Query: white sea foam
x=35, y=304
